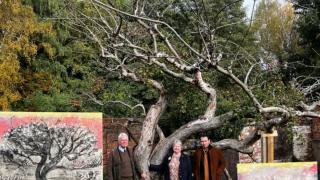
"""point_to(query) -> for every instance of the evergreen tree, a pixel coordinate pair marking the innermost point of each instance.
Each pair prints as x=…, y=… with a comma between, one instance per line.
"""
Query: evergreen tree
x=304, y=65
x=67, y=63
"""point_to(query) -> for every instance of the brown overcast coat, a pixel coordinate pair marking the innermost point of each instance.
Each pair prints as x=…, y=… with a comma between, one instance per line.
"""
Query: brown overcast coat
x=216, y=164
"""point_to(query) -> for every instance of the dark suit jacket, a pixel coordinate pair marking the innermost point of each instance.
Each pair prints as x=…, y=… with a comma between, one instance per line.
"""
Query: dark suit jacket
x=114, y=164
x=185, y=168
x=216, y=164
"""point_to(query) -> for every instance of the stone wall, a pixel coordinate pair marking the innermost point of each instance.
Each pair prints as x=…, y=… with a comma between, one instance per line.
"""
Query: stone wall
x=302, y=143
x=256, y=155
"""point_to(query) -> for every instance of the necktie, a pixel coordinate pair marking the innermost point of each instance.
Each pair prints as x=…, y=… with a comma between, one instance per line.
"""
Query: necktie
x=206, y=165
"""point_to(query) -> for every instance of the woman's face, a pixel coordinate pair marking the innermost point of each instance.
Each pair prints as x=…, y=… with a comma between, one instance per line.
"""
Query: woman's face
x=177, y=148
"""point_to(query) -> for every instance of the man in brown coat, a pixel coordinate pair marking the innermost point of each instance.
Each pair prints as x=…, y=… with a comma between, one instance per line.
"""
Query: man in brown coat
x=120, y=163
x=209, y=162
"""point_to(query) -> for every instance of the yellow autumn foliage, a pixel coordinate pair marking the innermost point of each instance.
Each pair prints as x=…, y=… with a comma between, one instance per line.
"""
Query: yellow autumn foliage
x=274, y=25
x=18, y=26
x=48, y=49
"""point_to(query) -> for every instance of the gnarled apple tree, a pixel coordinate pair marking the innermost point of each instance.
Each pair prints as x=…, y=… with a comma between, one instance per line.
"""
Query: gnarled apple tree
x=134, y=37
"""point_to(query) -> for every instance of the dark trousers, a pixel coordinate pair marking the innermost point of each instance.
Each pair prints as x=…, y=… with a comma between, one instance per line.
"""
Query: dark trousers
x=127, y=178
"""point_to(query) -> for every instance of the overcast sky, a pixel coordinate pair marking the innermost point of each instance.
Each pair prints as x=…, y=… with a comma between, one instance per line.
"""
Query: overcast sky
x=248, y=4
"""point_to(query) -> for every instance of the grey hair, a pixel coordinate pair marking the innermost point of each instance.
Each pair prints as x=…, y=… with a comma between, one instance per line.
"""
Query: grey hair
x=177, y=141
x=123, y=135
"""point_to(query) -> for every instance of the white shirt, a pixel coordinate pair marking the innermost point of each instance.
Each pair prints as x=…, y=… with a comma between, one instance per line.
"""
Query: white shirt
x=121, y=149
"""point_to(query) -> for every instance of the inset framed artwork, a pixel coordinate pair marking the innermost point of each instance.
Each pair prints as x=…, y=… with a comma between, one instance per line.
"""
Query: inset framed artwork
x=44, y=146
x=289, y=170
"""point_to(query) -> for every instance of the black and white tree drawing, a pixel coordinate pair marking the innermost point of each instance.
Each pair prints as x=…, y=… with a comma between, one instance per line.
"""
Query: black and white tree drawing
x=52, y=147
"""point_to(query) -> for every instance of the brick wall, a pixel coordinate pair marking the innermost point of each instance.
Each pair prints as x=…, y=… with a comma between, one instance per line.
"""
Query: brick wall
x=315, y=128
x=113, y=126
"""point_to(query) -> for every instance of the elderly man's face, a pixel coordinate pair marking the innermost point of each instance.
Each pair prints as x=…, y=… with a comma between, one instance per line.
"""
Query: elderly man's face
x=123, y=142
x=204, y=141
